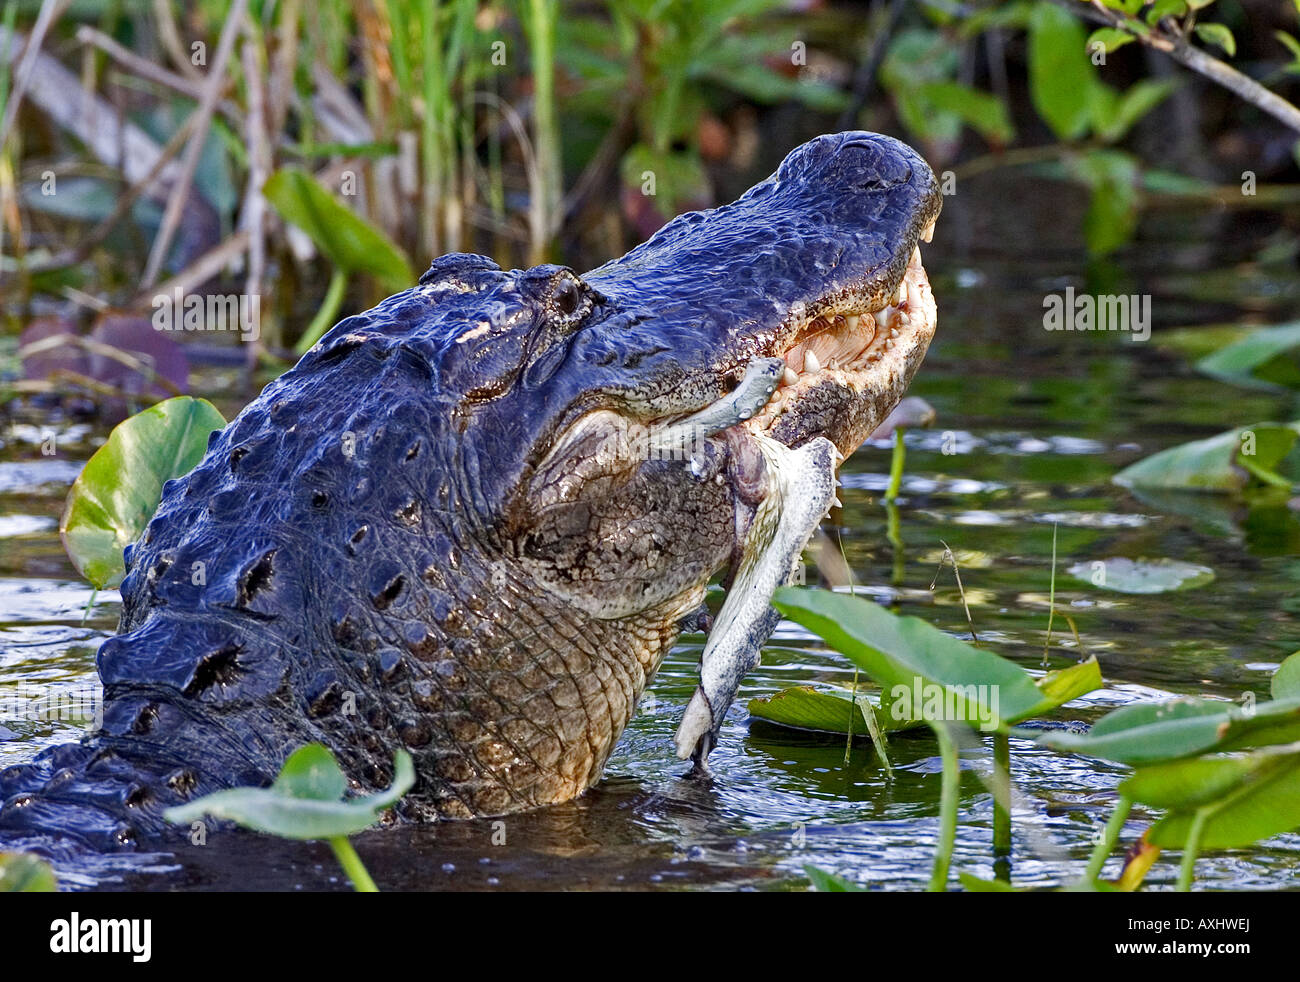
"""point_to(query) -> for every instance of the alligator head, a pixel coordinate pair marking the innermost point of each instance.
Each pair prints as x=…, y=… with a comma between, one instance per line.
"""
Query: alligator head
x=471, y=521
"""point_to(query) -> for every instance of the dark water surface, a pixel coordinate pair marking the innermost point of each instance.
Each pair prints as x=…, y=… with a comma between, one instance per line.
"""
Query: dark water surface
x=1036, y=424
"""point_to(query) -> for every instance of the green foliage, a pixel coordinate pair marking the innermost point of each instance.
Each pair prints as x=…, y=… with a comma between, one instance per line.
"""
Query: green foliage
x=901, y=651
x=349, y=241
x=305, y=801
x=118, y=490
x=1265, y=358
x=824, y=882
x=22, y=872
x=1061, y=79
x=1229, y=462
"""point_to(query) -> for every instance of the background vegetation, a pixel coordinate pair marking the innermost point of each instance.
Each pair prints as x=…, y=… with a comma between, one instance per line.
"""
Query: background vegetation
x=318, y=155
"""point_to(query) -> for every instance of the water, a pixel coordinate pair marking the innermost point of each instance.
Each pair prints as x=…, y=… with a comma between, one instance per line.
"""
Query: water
x=1037, y=423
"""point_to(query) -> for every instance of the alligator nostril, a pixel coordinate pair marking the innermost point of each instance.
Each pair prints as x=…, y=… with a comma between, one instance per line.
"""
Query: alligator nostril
x=256, y=577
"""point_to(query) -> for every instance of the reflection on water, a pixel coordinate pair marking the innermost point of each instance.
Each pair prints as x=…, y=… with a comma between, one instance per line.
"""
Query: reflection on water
x=1031, y=426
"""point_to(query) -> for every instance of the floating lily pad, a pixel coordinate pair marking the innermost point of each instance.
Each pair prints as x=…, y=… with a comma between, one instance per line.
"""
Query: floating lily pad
x=118, y=490
x=1286, y=680
x=1142, y=575
x=304, y=802
x=1227, y=462
x=910, y=659
x=1267, y=358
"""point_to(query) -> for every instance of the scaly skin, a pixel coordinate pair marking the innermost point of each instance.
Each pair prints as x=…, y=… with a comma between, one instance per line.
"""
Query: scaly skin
x=434, y=534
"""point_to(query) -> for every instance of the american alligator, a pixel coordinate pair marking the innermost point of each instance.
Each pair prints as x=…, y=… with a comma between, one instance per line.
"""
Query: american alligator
x=471, y=521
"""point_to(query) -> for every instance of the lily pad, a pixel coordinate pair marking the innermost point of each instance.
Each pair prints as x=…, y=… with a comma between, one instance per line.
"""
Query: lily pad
x=118, y=490
x=1227, y=462
x=304, y=802
x=1150, y=733
x=911, y=659
x=1285, y=683
x=1142, y=575
x=1265, y=358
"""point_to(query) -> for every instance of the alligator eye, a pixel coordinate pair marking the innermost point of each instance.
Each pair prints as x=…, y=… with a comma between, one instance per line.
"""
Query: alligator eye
x=566, y=296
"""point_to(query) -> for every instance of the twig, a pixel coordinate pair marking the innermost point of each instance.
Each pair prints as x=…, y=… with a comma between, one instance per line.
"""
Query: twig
x=152, y=71
x=212, y=89
x=50, y=12
x=259, y=168
x=949, y=556
x=138, y=365
x=170, y=36
x=1177, y=48
x=201, y=270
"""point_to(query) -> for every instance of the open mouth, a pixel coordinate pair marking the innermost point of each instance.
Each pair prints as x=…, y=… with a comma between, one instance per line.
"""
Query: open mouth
x=854, y=349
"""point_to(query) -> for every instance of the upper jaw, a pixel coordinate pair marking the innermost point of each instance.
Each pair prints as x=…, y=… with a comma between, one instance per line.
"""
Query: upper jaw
x=852, y=360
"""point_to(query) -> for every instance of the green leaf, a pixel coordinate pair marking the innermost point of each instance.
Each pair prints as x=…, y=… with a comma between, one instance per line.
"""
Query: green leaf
x=303, y=803
x=1219, y=35
x=118, y=490
x=1109, y=38
x=1151, y=733
x=824, y=882
x=973, y=884
x=345, y=238
x=21, y=872
x=1286, y=680
x=802, y=707
x=1166, y=8
x=1217, y=463
x=1136, y=101
x=899, y=653
x=1061, y=76
x=311, y=772
x=1142, y=575
x=1248, y=798
x=1264, y=358
x=985, y=113
x=1291, y=43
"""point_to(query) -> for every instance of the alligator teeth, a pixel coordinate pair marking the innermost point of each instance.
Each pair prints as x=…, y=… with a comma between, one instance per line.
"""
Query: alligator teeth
x=928, y=234
x=916, y=256
x=789, y=376
x=902, y=294
x=889, y=344
x=810, y=362
x=887, y=317
x=853, y=321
